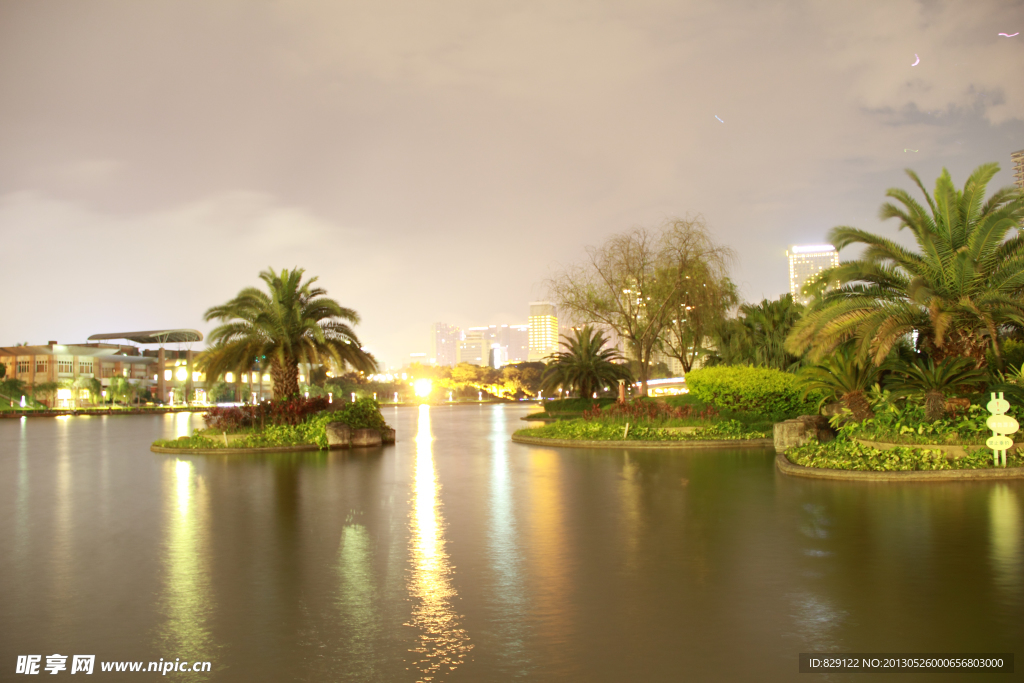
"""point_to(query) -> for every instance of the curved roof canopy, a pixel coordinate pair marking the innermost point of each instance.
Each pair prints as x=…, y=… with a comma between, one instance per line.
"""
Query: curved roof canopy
x=152, y=336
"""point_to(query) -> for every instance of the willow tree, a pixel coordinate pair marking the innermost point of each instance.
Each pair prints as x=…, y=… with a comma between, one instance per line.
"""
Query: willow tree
x=291, y=323
x=636, y=282
x=963, y=284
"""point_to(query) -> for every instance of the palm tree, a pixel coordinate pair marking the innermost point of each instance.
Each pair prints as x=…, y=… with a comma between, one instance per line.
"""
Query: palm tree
x=758, y=335
x=936, y=380
x=963, y=284
x=586, y=365
x=292, y=323
x=844, y=377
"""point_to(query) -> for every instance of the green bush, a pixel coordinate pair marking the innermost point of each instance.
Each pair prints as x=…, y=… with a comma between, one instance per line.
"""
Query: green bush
x=850, y=455
x=595, y=430
x=772, y=393
x=574, y=405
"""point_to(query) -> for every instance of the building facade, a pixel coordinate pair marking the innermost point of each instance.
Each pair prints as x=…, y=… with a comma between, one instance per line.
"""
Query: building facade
x=475, y=349
x=444, y=344
x=805, y=262
x=543, y=334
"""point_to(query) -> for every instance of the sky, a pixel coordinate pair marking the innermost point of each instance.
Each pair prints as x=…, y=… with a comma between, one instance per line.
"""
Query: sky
x=437, y=161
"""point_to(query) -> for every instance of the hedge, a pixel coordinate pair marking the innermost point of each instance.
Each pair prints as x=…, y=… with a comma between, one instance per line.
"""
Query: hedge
x=772, y=393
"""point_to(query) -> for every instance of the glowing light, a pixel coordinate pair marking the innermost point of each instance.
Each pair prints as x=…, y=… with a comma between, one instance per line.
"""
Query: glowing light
x=1010, y=35
x=353, y=397
x=63, y=394
x=167, y=376
x=195, y=376
x=181, y=375
x=422, y=387
x=716, y=116
x=918, y=60
x=812, y=248
x=229, y=377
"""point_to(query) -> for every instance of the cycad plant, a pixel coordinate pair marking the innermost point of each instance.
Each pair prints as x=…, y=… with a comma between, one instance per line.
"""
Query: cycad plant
x=845, y=377
x=934, y=381
x=585, y=365
x=963, y=283
x=291, y=323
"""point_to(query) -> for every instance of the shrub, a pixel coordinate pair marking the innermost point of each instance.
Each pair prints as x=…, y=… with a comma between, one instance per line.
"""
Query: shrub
x=290, y=411
x=842, y=454
x=772, y=393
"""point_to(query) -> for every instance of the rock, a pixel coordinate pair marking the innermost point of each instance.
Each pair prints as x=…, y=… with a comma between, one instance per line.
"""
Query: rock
x=799, y=431
x=365, y=437
x=339, y=435
x=387, y=435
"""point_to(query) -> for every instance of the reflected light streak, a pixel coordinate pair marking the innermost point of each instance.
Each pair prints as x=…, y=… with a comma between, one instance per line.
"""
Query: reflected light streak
x=186, y=601
x=442, y=645
x=1004, y=517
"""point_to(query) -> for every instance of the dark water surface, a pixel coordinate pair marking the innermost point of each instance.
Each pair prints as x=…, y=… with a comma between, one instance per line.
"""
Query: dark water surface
x=458, y=555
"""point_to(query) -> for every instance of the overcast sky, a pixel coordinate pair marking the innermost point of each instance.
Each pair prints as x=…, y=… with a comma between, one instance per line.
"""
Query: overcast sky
x=436, y=161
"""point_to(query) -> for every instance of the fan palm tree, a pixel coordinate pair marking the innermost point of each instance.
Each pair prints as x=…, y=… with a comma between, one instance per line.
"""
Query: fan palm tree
x=964, y=283
x=585, y=365
x=936, y=380
x=845, y=377
x=294, y=322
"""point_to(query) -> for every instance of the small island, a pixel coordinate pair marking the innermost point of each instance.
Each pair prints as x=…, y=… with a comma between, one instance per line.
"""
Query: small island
x=295, y=322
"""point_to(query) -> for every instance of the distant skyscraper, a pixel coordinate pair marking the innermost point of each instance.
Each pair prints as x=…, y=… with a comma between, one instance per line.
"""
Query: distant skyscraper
x=1018, y=168
x=444, y=344
x=806, y=261
x=475, y=349
x=518, y=343
x=543, y=330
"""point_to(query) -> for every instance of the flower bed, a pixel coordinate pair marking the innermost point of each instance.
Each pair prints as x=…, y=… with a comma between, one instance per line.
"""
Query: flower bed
x=595, y=430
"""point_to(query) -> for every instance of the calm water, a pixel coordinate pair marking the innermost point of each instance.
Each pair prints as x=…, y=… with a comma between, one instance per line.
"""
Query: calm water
x=457, y=555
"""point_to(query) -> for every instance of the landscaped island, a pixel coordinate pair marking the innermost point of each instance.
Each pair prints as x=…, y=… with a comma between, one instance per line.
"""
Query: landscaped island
x=312, y=423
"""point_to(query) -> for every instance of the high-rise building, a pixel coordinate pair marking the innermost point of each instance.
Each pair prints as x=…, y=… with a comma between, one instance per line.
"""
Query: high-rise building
x=543, y=330
x=444, y=344
x=475, y=349
x=518, y=343
x=1018, y=168
x=806, y=261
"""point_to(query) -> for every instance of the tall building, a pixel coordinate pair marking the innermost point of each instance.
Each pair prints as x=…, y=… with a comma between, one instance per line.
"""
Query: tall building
x=475, y=349
x=444, y=344
x=1018, y=168
x=543, y=330
x=806, y=261
x=518, y=343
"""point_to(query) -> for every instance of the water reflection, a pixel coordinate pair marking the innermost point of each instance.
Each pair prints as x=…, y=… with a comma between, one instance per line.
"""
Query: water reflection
x=442, y=644
x=550, y=568
x=357, y=603
x=504, y=549
x=1004, y=521
x=186, y=599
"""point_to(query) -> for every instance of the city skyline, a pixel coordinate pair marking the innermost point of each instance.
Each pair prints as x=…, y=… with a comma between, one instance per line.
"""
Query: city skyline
x=426, y=166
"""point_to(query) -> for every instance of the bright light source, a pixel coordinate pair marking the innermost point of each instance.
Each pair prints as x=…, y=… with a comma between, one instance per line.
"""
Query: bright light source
x=422, y=387
x=167, y=376
x=812, y=248
x=181, y=374
x=229, y=377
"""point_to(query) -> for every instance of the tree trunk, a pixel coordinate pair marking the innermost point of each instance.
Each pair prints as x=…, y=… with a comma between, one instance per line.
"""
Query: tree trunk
x=858, y=404
x=934, y=405
x=285, y=378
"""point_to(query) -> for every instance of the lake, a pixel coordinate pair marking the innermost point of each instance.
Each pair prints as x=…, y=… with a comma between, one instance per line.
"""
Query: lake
x=458, y=555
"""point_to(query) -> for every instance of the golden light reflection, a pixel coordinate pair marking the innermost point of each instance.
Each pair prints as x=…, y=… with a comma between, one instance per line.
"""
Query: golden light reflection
x=357, y=603
x=185, y=601
x=1005, y=523
x=181, y=424
x=629, y=499
x=549, y=564
x=442, y=645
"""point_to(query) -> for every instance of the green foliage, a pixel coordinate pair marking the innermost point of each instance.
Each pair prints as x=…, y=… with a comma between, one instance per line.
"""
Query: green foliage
x=758, y=335
x=772, y=393
x=295, y=322
x=585, y=366
x=574, y=405
x=906, y=423
x=842, y=454
x=598, y=430
x=363, y=414
x=963, y=283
